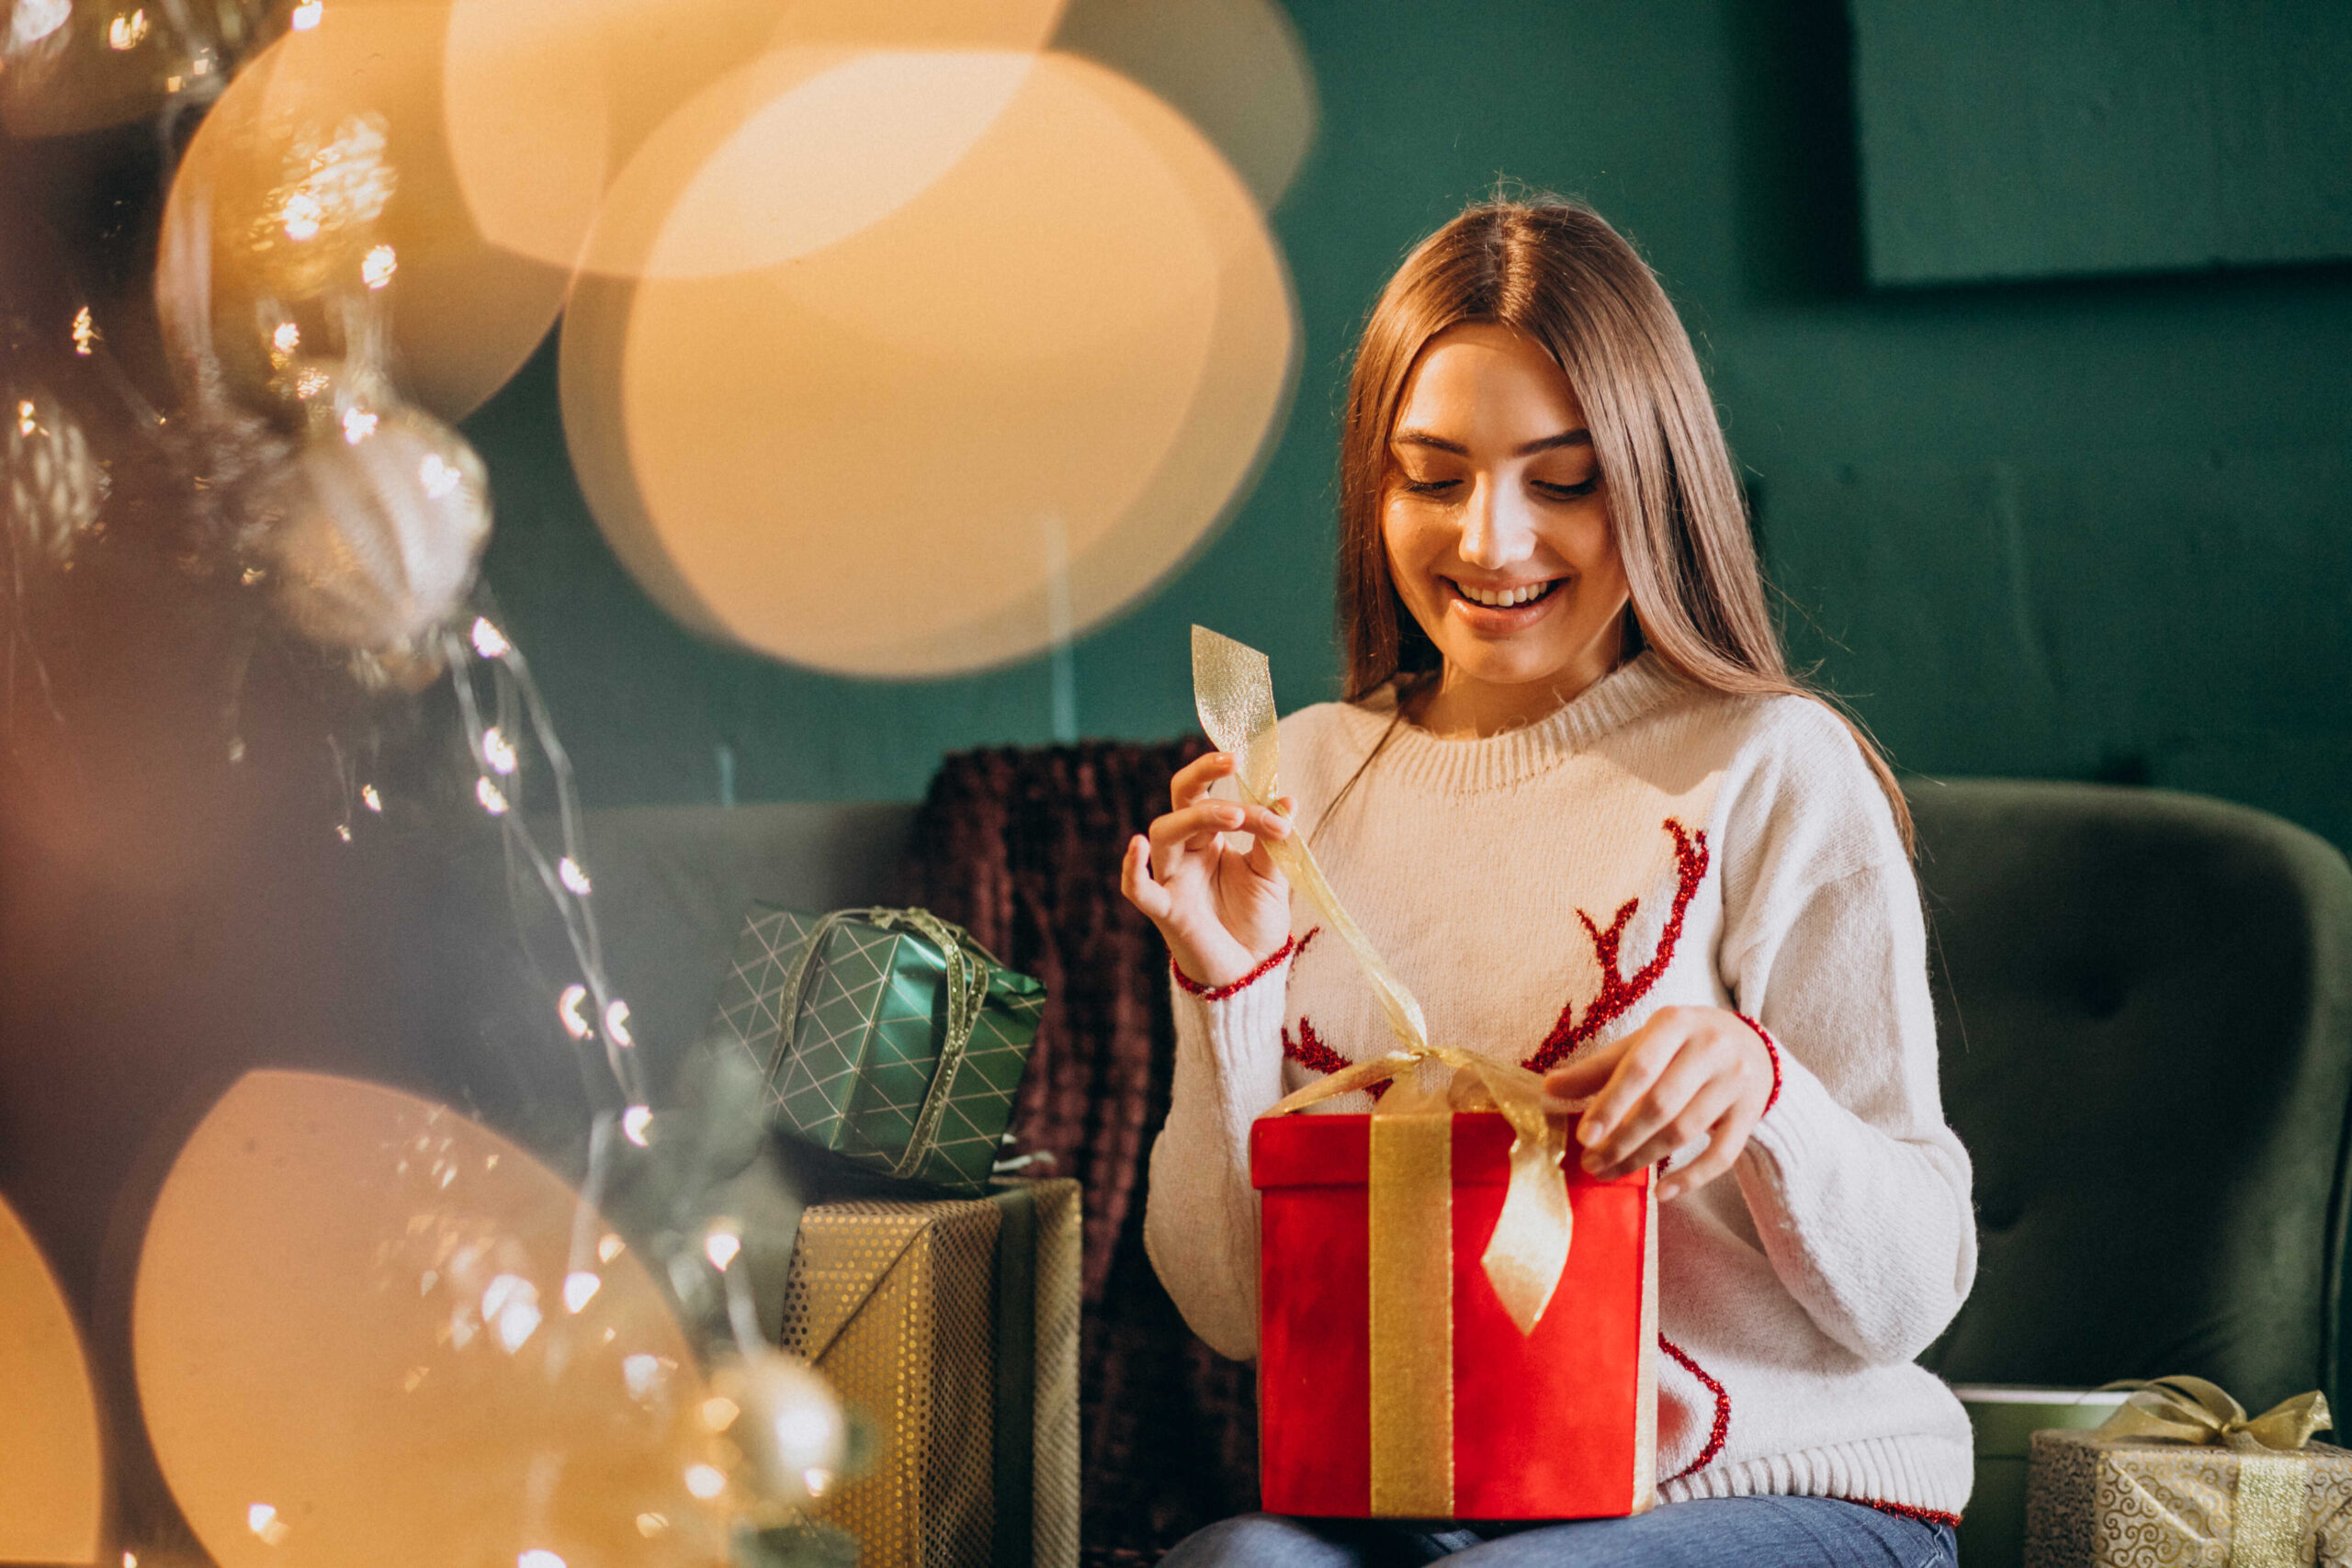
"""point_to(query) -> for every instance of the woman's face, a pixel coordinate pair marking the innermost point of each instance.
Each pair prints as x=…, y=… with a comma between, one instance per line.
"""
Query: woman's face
x=1497, y=534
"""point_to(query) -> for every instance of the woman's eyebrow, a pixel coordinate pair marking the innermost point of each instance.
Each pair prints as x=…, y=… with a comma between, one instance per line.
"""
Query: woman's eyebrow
x=1577, y=438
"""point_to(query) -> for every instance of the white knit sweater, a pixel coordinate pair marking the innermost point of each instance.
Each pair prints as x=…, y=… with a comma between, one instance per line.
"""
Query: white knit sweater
x=1649, y=844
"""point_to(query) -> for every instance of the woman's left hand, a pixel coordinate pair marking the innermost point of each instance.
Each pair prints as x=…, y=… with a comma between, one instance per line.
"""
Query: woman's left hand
x=1687, y=1073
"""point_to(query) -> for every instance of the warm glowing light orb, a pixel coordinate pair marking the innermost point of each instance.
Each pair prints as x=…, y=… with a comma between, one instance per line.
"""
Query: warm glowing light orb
x=465, y=313
x=52, y=1473
x=996, y=415
x=870, y=132
x=330, y=1256
x=548, y=105
x=1236, y=68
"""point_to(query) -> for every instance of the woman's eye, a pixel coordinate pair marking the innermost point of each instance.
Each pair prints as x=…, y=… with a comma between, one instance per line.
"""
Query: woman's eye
x=1568, y=493
x=1427, y=487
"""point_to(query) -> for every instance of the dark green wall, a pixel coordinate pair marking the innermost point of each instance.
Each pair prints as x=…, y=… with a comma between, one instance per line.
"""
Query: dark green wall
x=2066, y=138
x=2093, y=529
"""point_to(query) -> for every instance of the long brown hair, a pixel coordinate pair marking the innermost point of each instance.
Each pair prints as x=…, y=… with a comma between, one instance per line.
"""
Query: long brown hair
x=1555, y=272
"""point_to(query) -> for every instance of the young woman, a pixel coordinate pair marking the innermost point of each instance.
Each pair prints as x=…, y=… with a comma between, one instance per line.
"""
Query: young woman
x=1579, y=805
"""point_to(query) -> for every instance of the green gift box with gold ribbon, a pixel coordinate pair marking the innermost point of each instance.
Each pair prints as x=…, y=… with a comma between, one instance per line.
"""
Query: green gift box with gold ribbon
x=2181, y=1477
x=887, y=1036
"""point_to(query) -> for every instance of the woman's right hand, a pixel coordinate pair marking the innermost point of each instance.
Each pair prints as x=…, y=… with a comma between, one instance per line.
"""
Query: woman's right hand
x=1221, y=913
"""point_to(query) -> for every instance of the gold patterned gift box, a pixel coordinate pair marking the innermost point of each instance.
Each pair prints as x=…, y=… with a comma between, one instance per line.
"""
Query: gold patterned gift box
x=953, y=1328
x=2212, y=1490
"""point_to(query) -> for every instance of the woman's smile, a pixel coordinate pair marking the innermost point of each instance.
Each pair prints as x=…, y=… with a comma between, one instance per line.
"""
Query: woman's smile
x=1501, y=607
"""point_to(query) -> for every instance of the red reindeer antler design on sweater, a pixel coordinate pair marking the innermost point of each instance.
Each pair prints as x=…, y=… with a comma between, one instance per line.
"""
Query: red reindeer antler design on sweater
x=1619, y=991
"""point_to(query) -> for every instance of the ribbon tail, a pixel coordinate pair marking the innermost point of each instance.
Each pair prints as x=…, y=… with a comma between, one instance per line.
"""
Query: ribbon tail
x=1233, y=691
x=1529, y=1250
x=1404, y=1013
x=2291, y=1423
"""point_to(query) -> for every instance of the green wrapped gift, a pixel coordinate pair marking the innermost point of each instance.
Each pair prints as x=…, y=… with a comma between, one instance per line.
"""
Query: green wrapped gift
x=887, y=1036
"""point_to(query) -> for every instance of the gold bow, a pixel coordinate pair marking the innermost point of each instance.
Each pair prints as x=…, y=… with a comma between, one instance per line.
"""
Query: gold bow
x=2190, y=1410
x=1233, y=689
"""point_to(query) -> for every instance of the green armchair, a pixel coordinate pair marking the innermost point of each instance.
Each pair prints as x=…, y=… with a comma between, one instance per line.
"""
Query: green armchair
x=2146, y=1008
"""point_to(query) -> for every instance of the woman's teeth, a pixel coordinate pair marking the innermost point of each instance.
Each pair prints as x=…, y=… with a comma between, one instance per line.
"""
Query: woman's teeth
x=1504, y=598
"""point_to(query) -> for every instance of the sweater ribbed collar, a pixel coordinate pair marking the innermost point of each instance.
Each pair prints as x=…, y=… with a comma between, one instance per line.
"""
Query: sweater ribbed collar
x=1416, y=757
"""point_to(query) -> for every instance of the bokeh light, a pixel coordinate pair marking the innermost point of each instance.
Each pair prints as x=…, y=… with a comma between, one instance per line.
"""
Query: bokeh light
x=465, y=313
x=52, y=1479
x=1236, y=68
x=548, y=105
x=994, y=416
x=354, y=1307
x=869, y=131
x=68, y=66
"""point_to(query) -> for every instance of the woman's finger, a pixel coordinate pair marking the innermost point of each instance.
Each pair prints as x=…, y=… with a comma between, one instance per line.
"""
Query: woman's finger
x=1260, y=860
x=1583, y=1076
x=1685, y=1080
x=1725, y=1142
x=1135, y=880
x=1647, y=1053
x=1194, y=828
x=1193, y=779
x=1202, y=819
x=1265, y=824
x=1692, y=1123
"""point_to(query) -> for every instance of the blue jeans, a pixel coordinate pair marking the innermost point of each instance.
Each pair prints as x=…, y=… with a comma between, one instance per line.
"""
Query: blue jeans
x=1752, y=1532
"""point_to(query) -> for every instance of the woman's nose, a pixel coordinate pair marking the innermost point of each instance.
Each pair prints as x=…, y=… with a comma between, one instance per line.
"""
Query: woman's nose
x=1498, y=528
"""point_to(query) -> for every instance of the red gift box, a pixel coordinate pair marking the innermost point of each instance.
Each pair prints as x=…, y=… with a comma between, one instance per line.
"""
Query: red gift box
x=1559, y=1423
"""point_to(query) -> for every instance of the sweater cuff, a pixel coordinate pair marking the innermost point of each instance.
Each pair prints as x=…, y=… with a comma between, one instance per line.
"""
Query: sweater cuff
x=1191, y=987
x=1236, y=1034
x=1804, y=1116
x=1772, y=1049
